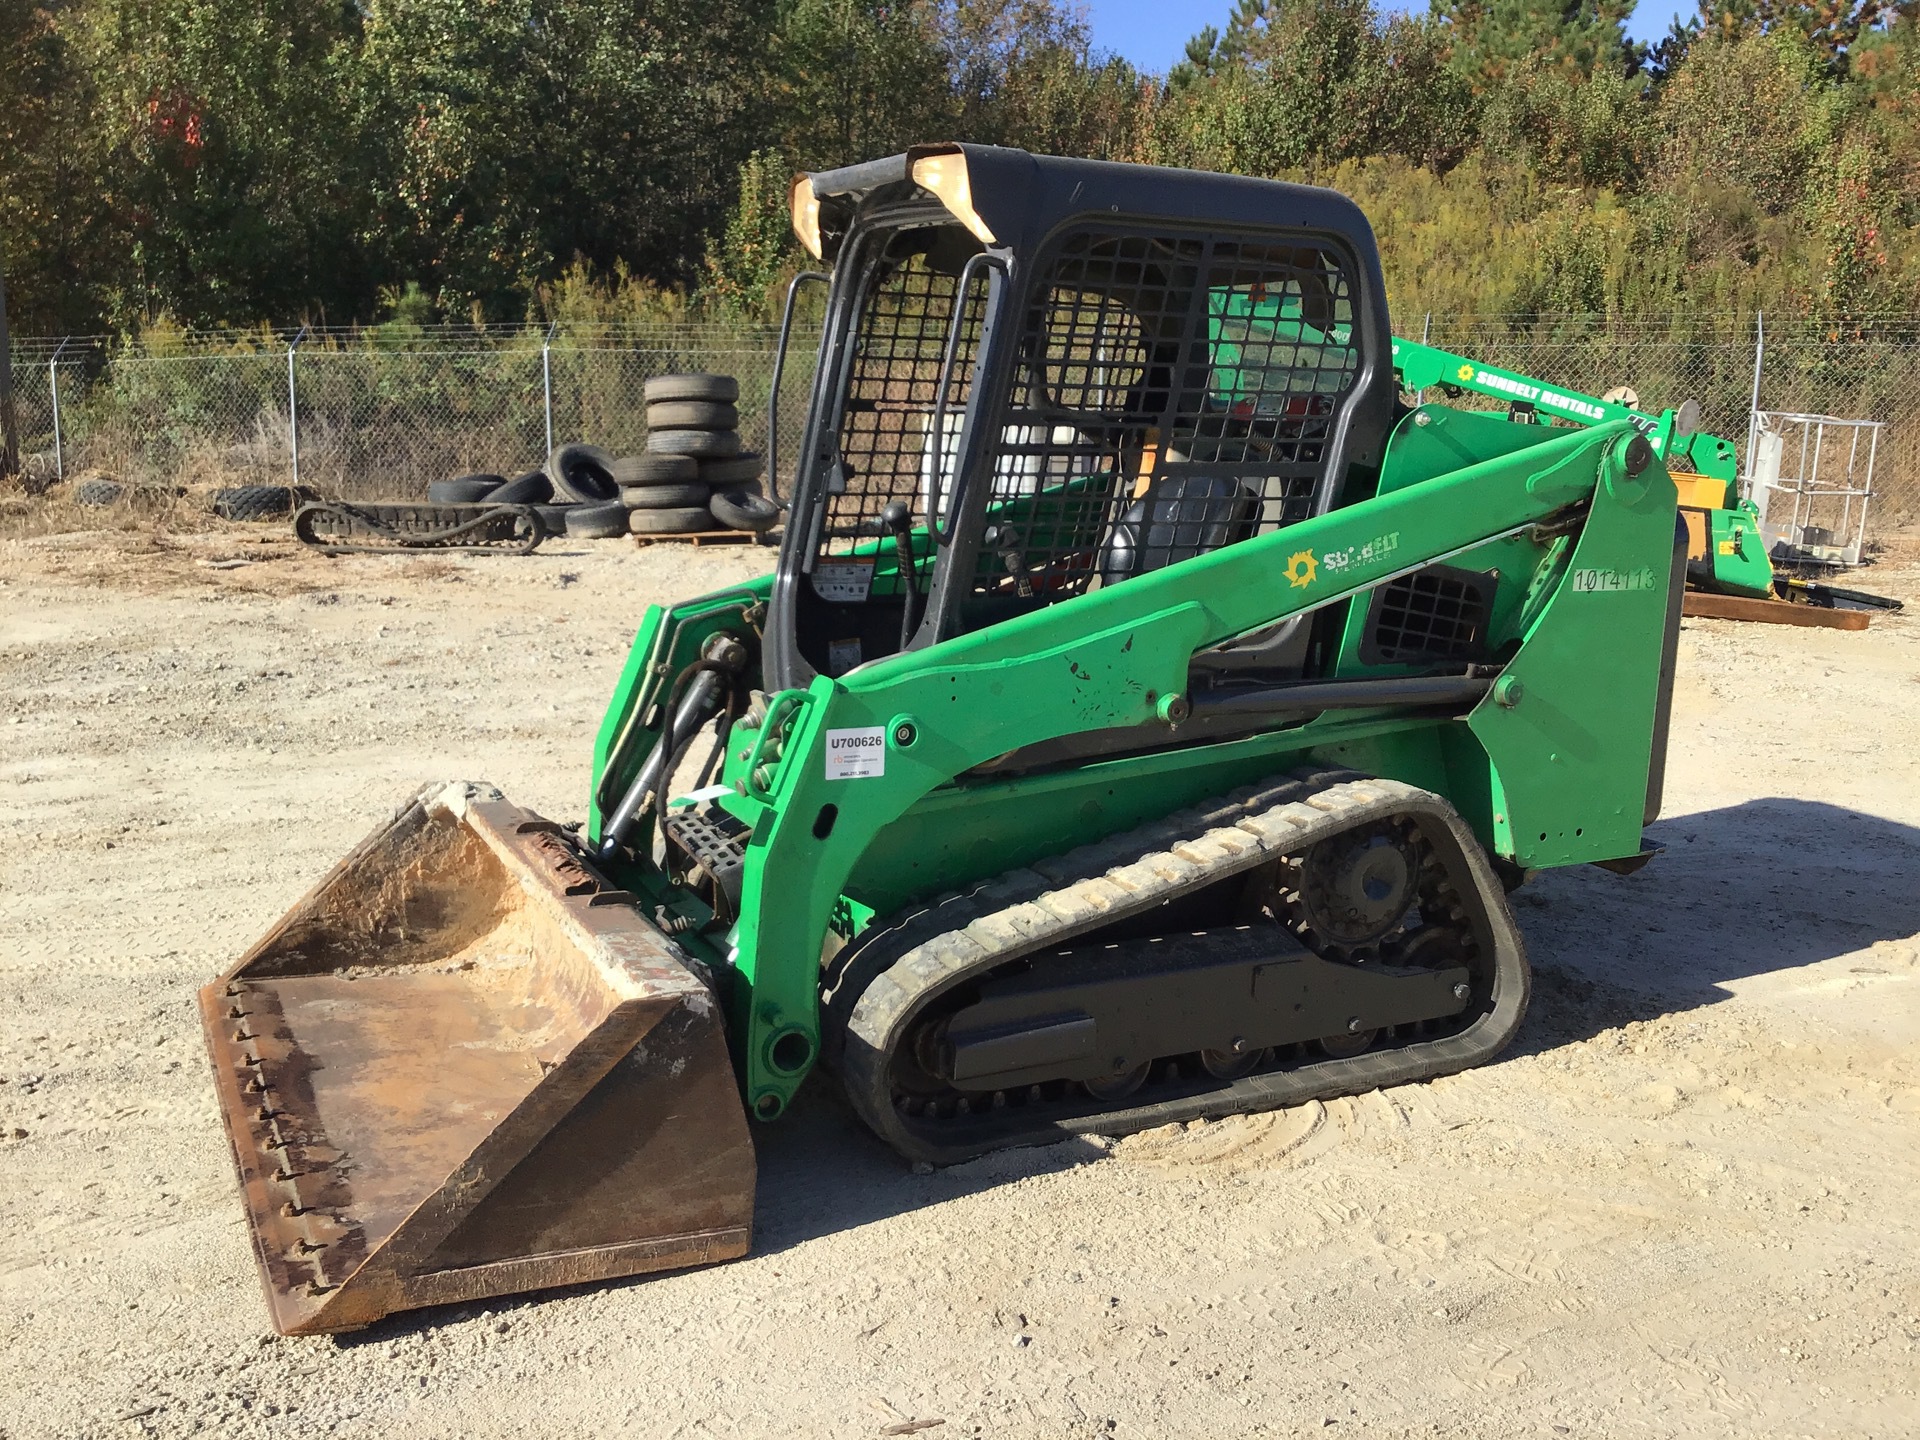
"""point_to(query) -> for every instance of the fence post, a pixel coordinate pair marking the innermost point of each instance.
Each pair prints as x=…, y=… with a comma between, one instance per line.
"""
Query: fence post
x=1753, y=404
x=1426, y=329
x=9, y=417
x=546, y=379
x=293, y=407
x=53, y=392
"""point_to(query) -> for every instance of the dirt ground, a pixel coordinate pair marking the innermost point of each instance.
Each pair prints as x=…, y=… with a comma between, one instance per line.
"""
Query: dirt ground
x=1686, y=1202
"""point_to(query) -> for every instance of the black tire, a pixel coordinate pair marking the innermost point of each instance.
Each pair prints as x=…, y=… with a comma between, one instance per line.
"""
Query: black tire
x=702, y=444
x=253, y=502
x=664, y=497
x=553, y=518
x=688, y=520
x=596, y=522
x=98, y=492
x=734, y=469
x=463, y=489
x=532, y=488
x=580, y=473
x=692, y=415
x=692, y=387
x=737, y=510
x=631, y=470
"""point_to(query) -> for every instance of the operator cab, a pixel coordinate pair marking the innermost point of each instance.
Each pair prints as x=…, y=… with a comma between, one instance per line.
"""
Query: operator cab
x=1037, y=379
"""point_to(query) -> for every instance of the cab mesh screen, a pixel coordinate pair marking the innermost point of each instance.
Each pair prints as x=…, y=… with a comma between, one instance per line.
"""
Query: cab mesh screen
x=1175, y=394
x=886, y=452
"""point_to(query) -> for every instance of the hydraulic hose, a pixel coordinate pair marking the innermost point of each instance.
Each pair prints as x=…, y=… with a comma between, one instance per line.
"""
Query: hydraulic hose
x=722, y=659
x=692, y=713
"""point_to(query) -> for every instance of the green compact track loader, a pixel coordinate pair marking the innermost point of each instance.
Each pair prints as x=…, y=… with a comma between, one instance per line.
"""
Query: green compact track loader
x=1146, y=720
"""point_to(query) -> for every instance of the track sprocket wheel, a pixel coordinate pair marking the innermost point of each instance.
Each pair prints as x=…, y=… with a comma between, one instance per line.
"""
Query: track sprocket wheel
x=1354, y=889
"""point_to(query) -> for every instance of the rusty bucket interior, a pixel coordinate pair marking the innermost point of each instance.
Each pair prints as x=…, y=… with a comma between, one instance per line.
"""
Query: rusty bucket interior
x=464, y=1066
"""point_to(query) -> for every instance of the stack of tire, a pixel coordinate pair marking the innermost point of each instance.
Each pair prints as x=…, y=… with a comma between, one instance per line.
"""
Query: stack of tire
x=694, y=478
x=575, y=493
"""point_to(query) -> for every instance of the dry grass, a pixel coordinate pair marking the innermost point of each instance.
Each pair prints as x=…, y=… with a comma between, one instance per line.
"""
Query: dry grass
x=152, y=509
x=163, y=543
x=152, y=540
x=1898, y=547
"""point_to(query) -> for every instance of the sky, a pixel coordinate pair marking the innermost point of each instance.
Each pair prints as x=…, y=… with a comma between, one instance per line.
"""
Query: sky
x=1154, y=33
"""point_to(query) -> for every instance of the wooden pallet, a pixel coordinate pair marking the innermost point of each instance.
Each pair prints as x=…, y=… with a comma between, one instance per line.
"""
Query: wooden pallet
x=711, y=537
x=1770, y=612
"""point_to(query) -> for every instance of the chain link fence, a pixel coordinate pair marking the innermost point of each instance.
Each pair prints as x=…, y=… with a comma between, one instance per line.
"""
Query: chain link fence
x=378, y=413
x=1734, y=366
x=364, y=415
x=46, y=372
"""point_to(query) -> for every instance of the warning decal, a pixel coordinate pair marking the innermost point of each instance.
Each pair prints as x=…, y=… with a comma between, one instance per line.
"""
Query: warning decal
x=845, y=582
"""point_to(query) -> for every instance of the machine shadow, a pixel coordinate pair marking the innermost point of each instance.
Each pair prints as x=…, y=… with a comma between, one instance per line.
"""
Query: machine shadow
x=1755, y=888
x=1764, y=886
x=1751, y=889
x=822, y=1171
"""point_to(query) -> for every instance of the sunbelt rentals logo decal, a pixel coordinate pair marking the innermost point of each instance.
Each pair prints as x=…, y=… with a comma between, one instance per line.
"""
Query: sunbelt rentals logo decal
x=1304, y=567
x=1578, y=407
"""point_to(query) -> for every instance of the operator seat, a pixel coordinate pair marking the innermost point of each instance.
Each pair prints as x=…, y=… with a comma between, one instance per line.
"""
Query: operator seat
x=1178, y=518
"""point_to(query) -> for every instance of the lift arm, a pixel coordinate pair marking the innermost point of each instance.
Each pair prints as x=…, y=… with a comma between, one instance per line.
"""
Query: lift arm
x=1422, y=366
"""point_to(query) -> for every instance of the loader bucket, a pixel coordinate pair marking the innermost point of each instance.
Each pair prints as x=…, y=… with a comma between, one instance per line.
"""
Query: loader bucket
x=464, y=1066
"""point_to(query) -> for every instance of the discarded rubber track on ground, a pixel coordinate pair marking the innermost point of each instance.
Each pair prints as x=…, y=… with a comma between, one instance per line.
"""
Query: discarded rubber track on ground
x=338, y=527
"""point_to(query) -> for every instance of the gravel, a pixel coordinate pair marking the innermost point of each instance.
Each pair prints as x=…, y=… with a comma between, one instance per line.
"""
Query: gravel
x=1685, y=1202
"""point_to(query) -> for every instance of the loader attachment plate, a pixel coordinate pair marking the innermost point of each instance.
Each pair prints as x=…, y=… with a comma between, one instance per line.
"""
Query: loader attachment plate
x=464, y=1066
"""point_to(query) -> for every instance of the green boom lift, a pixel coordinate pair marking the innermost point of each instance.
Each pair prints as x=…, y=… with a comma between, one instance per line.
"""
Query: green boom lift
x=1725, y=550
x=1145, y=720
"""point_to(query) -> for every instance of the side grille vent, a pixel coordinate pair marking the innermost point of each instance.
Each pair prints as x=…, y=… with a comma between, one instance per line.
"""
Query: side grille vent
x=1434, y=615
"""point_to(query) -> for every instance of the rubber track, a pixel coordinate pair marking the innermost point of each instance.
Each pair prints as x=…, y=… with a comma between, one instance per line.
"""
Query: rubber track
x=914, y=960
x=339, y=528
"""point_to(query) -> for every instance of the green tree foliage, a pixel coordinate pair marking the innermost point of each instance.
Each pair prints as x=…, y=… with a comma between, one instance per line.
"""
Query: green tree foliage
x=1214, y=50
x=234, y=164
x=1751, y=112
x=1490, y=41
x=1829, y=29
x=55, y=222
x=525, y=133
x=417, y=160
x=1594, y=130
x=756, y=249
x=854, y=79
x=1307, y=84
x=1024, y=73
